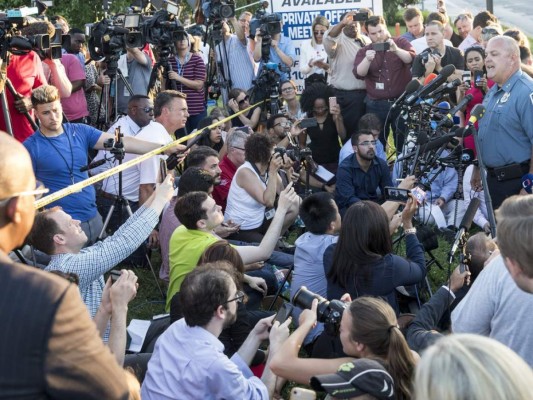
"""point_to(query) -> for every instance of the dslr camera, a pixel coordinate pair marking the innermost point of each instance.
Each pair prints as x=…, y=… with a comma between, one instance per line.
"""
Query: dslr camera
x=327, y=312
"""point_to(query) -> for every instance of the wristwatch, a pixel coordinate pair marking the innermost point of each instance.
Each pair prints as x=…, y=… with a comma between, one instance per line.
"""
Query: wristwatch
x=410, y=231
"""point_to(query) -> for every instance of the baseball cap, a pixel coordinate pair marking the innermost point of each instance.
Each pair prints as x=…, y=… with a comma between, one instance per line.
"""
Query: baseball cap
x=356, y=378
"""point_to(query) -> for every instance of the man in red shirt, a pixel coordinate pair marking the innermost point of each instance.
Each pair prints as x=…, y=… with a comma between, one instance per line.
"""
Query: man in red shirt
x=229, y=164
x=25, y=71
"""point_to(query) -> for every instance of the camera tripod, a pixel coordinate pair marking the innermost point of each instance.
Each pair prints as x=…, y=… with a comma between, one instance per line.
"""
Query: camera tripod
x=122, y=203
x=5, y=108
x=114, y=72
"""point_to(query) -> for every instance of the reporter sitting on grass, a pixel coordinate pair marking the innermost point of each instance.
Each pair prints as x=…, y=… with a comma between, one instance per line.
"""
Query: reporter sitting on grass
x=368, y=329
x=362, y=262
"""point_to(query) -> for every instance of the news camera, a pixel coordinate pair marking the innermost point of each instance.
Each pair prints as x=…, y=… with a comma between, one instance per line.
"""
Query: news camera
x=266, y=86
x=12, y=41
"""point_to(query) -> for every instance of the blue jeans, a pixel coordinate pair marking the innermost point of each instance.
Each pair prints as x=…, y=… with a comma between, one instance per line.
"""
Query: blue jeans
x=382, y=109
x=352, y=103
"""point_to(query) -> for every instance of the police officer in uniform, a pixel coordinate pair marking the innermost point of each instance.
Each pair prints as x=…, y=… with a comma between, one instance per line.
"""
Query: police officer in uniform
x=506, y=130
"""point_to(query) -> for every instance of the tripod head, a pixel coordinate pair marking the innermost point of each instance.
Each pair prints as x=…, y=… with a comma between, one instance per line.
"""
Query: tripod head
x=116, y=145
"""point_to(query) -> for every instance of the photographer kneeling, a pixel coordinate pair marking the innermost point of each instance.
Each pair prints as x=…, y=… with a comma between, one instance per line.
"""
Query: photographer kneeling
x=368, y=329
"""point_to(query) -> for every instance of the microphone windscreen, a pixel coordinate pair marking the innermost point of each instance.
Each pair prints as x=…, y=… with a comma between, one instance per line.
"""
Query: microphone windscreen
x=429, y=78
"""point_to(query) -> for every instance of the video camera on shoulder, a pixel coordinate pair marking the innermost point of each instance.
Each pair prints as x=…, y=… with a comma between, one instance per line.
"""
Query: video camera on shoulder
x=268, y=24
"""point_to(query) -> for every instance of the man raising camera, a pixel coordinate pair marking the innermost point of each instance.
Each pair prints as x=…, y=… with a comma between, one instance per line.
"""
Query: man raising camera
x=281, y=49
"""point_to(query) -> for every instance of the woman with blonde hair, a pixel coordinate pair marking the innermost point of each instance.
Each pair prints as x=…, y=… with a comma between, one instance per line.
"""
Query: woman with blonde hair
x=313, y=56
x=368, y=329
x=472, y=367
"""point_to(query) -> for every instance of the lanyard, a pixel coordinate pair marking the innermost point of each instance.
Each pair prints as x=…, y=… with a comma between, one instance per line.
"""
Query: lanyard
x=71, y=167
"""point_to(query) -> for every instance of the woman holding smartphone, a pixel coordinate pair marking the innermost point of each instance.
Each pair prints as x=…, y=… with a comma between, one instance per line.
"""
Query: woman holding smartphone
x=327, y=136
x=477, y=86
x=313, y=56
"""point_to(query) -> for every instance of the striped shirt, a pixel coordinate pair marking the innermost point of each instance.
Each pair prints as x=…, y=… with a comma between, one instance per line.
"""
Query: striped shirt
x=193, y=69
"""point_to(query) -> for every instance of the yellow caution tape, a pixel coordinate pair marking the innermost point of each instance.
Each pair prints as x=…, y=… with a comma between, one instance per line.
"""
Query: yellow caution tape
x=77, y=187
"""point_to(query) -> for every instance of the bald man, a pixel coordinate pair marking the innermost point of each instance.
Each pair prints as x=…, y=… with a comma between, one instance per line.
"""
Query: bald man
x=49, y=346
x=506, y=130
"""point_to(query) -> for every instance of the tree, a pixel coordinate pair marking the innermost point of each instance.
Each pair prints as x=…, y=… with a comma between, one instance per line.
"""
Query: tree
x=391, y=7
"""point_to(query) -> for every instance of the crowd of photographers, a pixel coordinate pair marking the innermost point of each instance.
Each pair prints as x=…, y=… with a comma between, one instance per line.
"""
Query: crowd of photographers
x=222, y=205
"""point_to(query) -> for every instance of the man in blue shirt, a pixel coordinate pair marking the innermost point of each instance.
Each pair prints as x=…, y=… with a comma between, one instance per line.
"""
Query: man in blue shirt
x=58, y=151
x=281, y=52
x=188, y=360
x=361, y=176
x=506, y=130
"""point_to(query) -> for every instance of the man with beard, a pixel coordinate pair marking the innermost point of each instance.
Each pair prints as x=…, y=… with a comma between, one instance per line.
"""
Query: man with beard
x=342, y=42
x=362, y=175
x=188, y=360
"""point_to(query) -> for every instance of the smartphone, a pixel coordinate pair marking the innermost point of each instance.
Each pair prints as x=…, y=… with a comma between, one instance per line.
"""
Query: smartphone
x=332, y=102
x=467, y=77
x=360, y=16
x=463, y=267
x=477, y=76
x=115, y=274
x=385, y=46
x=308, y=123
x=396, y=194
x=419, y=195
x=302, y=394
x=284, y=312
x=163, y=171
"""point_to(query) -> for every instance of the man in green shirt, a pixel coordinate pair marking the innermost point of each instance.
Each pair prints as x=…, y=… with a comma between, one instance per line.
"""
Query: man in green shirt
x=199, y=215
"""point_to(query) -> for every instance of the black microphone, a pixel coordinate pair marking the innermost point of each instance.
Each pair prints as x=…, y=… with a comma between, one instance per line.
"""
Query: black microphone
x=449, y=117
x=93, y=165
x=438, y=142
x=476, y=114
x=466, y=223
x=119, y=29
x=410, y=88
x=172, y=160
x=447, y=87
x=431, y=86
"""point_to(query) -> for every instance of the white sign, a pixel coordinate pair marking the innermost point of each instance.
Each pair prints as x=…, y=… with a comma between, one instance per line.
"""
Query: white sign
x=298, y=15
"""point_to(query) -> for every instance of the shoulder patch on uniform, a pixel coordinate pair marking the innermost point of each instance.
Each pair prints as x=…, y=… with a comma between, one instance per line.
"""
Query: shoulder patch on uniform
x=531, y=97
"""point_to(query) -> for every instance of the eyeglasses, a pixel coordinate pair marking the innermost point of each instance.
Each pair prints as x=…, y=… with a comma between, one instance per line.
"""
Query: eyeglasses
x=246, y=98
x=38, y=192
x=319, y=32
x=368, y=143
x=320, y=109
x=286, y=124
x=147, y=109
x=239, y=298
x=238, y=148
x=288, y=89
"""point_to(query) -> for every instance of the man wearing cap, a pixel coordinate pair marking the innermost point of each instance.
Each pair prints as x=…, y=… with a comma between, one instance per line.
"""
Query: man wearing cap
x=361, y=377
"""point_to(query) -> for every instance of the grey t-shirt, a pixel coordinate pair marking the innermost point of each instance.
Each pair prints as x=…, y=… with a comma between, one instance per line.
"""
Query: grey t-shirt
x=497, y=308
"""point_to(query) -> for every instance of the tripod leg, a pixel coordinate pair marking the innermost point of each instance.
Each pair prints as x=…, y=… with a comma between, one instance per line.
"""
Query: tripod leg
x=128, y=208
x=106, y=221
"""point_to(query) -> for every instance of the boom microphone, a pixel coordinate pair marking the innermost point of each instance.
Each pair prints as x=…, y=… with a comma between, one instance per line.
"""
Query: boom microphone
x=410, y=88
x=431, y=86
x=466, y=223
x=448, y=87
x=476, y=114
x=439, y=80
x=449, y=117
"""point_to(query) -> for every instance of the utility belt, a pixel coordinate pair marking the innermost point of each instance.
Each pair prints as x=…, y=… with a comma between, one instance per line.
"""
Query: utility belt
x=508, y=172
